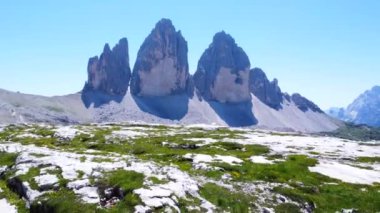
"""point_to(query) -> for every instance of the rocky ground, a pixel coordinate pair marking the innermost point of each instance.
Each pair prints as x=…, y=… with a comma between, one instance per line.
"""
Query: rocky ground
x=172, y=168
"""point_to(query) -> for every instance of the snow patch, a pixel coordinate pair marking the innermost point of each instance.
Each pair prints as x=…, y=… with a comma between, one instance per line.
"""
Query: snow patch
x=202, y=158
x=7, y=207
x=260, y=159
x=205, y=141
x=347, y=173
x=125, y=133
x=28, y=135
x=67, y=132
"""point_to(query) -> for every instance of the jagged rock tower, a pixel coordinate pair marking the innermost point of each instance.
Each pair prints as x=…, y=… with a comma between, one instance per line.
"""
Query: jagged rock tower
x=223, y=71
x=110, y=73
x=267, y=91
x=161, y=67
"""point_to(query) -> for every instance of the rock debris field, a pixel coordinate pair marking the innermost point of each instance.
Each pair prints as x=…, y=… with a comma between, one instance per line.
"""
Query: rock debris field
x=137, y=167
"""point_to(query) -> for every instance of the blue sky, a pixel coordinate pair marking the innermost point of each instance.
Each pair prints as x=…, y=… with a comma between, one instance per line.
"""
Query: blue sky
x=327, y=50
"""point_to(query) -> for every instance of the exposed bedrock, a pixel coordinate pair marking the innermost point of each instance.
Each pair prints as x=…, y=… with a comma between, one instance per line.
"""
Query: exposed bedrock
x=266, y=91
x=108, y=75
x=161, y=67
x=223, y=71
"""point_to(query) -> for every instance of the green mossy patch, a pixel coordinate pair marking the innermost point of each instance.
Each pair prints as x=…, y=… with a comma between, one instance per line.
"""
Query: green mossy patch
x=61, y=201
x=226, y=200
x=334, y=197
x=12, y=197
x=29, y=177
x=126, y=180
x=287, y=208
x=368, y=159
x=7, y=159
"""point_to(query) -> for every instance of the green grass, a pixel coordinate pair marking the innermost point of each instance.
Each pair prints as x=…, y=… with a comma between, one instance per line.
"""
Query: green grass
x=64, y=200
x=58, y=172
x=287, y=208
x=125, y=205
x=294, y=168
x=155, y=180
x=184, y=203
x=80, y=174
x=82, y=159
x=332, y=198
x=60, y=202
x=38, y=155
x=29, y=177
x=293, y=171
x=7, y=159
x=226, y=200
x=356, y=132
x=12, y=198
x=327, y=197
x=126, y=180
x=314, y=153
x=368, y=159
x=10, y=131
x=42, y=131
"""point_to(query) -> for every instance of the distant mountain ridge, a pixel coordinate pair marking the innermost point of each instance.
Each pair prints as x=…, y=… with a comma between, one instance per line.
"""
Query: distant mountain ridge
x=365, y=109
x=224, y=90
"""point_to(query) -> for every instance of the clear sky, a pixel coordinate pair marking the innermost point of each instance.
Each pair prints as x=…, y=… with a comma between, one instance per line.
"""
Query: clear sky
x=327, y=50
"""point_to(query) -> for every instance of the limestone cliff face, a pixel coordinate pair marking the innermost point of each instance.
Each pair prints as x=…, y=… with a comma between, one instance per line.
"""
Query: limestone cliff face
x=161, y=66
x=110, y=73
x=223, y=71
x=267, y=91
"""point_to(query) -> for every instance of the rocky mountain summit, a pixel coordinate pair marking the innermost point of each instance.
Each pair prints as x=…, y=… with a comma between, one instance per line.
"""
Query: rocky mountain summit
x=161, y=66
x=270, y=93
x=110, y=73
x=365, y=109
x=304, y=104
x=267, y=91
x=223, y=91
x=223, y=71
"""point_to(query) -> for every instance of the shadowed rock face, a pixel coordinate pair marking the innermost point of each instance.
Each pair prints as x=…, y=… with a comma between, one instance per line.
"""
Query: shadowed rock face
x=161, y=66
x=223, y=71
x=110, y=73
x=268, y=92
x=304, y=104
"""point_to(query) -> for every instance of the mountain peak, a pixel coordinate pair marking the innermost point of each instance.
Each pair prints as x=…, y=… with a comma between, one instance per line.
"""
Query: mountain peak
x=223, y=71
x=304, y=104
x=376, y=89
x=109, y=73
x=164, y=23
x=267, y=91
x=161, y=67
x=223, y=38
x=106, y=48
